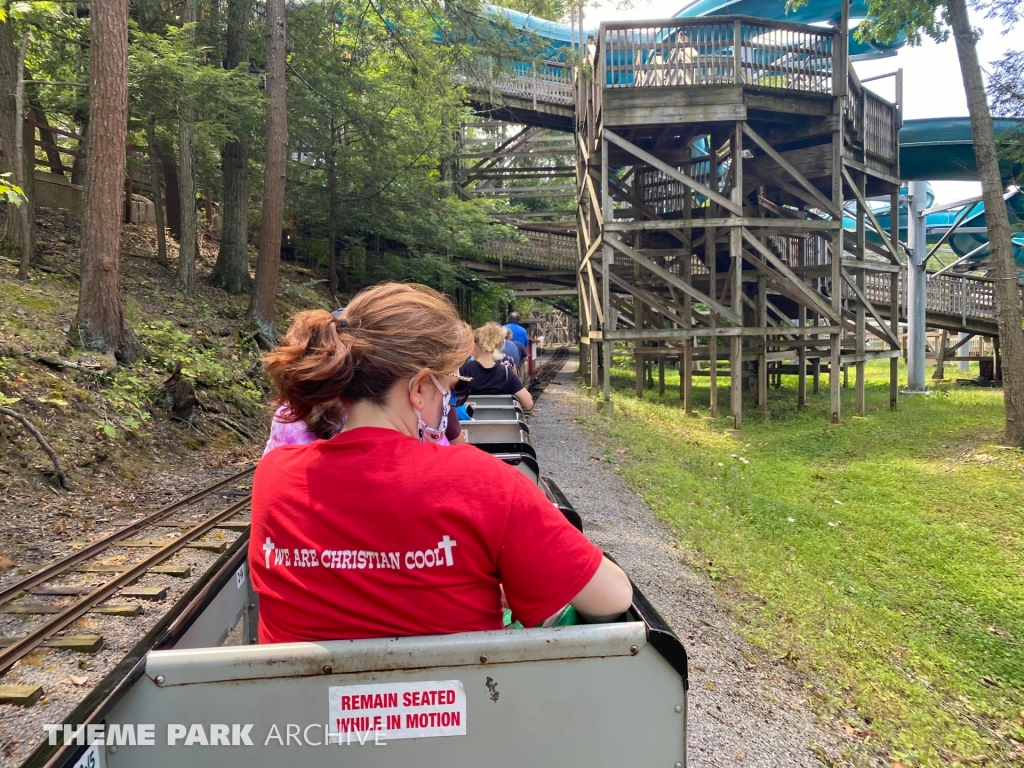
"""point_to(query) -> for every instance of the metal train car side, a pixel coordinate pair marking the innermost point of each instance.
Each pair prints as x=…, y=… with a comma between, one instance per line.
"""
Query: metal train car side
x=609, y=694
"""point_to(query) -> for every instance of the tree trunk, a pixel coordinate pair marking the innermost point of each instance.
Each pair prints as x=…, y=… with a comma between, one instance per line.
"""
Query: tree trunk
x=261, y=305
x=231, y=272
x=1007, y=291
x=188, y=243
x=99, y=323
x=154, y=186
x=332, y=215
x=21, y=157
x=172, y=193
x=14, y=160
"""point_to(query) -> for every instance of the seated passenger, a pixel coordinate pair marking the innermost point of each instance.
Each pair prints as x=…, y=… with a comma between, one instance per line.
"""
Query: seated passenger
x=325, y=421
x=490, y=378
x=513, y=350
x=362, y=535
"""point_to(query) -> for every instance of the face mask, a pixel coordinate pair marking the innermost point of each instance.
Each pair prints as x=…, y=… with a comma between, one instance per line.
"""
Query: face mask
x=430, y=434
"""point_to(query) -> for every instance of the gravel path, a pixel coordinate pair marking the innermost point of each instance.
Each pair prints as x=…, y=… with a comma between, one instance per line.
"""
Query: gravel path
x=745, y=709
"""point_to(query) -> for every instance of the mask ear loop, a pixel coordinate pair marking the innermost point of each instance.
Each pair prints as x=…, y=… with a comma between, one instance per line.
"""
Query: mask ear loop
x=427, y=433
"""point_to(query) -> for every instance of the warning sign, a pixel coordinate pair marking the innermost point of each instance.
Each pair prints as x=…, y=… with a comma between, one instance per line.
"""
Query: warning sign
x=398, y=710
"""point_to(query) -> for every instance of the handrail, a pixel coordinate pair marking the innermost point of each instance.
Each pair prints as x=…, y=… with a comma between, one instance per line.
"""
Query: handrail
x=724, y=50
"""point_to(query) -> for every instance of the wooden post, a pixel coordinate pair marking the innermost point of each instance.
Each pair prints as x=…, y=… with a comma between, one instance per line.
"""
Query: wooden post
x=762, y=358
x=686, y=360
x=839, y=73
x=639, y=361
x=661, y=374
x=861, y=342
x=606, y=299
x=736, y=258
x=709, y=258
x=940, y=361
x=801, y=381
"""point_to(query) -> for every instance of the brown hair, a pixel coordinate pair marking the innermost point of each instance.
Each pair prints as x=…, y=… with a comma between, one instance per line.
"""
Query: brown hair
x=489, y=337
x=387, y=333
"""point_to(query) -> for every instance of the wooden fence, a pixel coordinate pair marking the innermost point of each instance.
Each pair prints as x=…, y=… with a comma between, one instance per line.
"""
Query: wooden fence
x=728, y=50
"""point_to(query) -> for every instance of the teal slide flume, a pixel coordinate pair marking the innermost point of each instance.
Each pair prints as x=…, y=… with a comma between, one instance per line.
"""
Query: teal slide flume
x=812, y=12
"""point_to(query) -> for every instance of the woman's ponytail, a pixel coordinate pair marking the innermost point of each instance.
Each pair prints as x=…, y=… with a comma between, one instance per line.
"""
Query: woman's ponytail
x=314, y=364
x=387, y=333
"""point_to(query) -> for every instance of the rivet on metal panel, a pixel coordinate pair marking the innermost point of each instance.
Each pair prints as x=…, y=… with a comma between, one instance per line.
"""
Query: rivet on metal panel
x=328, y=669
x=678, y=708
x=483, y=659
x=160, y=679
x=252, y=606
x=679, y=765
x=633, y=650
x=111, y=749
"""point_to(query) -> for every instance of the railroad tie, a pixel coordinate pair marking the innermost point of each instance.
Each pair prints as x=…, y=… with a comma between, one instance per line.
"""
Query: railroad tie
x=20, y=695
x=178, y=571
x=209, y=546
x=153, y=594
x=79, y=643
x=43, y=608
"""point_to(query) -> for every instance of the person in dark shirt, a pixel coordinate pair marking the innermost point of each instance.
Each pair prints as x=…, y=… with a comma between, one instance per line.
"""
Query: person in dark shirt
x=489, y=376
x=518, y=332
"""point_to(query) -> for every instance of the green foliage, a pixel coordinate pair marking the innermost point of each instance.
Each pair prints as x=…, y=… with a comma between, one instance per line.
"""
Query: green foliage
x=9, y=191
x=164, y=71
x=1006, y=95
x=883, y=555
x=373, y=102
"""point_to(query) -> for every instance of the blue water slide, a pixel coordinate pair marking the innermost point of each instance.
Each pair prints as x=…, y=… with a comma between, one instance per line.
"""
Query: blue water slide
x=942, y=148
x=812, y=12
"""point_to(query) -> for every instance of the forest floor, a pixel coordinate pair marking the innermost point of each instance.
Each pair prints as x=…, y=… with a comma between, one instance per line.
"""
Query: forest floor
x=109, y=426
x=881, y=558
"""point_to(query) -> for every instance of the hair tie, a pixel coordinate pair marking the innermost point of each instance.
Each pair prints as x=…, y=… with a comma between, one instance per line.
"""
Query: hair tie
x=343, y=323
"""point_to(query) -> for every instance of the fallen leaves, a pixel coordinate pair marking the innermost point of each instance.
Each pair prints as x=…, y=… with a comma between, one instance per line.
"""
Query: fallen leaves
x=6, y=563
x=709, y=686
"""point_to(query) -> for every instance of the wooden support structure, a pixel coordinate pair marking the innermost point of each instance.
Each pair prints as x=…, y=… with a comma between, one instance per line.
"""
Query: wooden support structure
x=714, y=160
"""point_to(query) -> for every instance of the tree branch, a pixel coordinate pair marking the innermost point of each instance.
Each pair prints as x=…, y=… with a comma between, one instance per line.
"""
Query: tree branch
x=63, y=478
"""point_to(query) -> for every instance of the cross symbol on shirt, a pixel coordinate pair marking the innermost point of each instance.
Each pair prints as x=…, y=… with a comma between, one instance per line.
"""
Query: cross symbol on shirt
x=446, y=544
x=268, y=547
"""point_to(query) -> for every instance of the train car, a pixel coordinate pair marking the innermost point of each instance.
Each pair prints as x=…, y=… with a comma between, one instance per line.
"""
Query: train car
x=201, y=692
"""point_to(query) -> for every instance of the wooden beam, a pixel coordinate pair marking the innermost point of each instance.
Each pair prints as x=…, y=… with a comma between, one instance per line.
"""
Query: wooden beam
x=769, y=150
x=817, y=302
x=879, y=229
x=668, y=277
x=870, y=308
x=672, y=173
x=646, y=297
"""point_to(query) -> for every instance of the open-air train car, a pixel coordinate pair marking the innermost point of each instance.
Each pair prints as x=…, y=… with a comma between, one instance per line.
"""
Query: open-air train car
x=591, y=695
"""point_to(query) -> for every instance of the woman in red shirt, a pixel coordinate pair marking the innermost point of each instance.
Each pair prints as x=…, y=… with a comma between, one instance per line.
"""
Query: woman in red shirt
x=367, y=534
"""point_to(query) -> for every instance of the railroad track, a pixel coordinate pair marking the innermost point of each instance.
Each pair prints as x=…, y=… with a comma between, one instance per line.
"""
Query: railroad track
x=91, y=597
x=550, y=369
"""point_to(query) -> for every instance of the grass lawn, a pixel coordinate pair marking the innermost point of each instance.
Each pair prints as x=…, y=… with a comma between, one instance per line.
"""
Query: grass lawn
x=884, y=556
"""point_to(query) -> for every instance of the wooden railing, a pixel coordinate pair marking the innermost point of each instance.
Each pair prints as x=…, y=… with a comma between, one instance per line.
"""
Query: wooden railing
x=963, y=296
x=542, y=249
x=542, y=82
x=874, y=121
x=727, y=50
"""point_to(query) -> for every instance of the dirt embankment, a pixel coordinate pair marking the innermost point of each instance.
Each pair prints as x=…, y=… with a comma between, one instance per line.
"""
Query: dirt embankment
x=112, y=428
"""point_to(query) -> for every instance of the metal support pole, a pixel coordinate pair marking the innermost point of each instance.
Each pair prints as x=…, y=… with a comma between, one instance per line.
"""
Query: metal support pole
x=917, y=289
x=964, y=366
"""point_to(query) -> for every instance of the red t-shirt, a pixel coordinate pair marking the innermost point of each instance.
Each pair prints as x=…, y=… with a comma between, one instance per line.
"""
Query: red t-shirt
x=374, y=534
